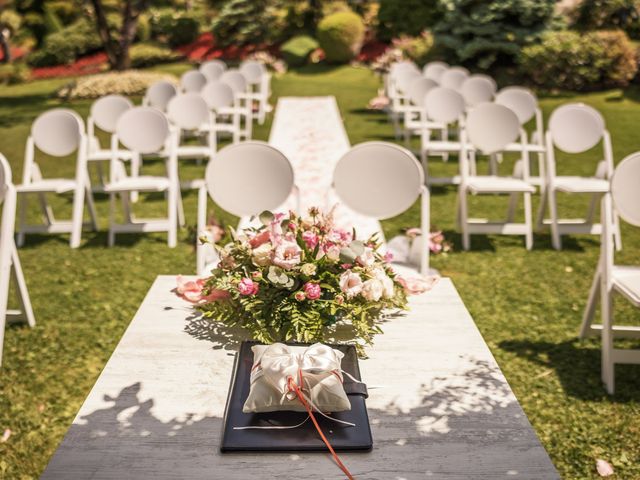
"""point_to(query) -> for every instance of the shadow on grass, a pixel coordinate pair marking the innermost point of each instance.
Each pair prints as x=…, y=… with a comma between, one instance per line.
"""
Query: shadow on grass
x=315, y=69
x=21, y=109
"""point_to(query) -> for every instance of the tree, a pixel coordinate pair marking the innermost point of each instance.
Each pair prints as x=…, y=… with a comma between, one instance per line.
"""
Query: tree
x=10, y=22
x=117, y=46
x=410, y=17
x=242, y=22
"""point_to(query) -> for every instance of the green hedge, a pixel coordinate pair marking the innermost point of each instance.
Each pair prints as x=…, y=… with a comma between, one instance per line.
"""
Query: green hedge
x=65, y=46
x=341, y=36
x=609, y=14
x=296, y=51
x=146, y=55
x=176, y=28
x=407, y=17
x=11, y=73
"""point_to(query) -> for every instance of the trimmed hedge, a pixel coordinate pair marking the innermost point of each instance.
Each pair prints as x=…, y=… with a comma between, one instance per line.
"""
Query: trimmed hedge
x=130, y=82
x=145, y=55
x=341, y=36
x=296, y=51
x=65, y=46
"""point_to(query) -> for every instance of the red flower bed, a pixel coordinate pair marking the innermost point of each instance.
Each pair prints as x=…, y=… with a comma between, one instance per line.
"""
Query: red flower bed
x=83, y=66
x=204, y=48
x=16, y=53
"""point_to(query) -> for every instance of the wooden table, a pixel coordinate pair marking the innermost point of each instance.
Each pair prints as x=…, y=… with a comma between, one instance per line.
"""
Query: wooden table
x=439, y=405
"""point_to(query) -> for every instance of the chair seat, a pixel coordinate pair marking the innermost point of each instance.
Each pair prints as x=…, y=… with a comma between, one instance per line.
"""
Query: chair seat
x=143, y=183
x=193, y=151
x=495, y=184
x=57, y=185
x=529, y=147
x=581, y=185
x=627, y=281
x=444, y=146
x=105, y=154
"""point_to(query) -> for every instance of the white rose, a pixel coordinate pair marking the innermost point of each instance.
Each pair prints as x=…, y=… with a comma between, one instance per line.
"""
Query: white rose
x=372, y=290
x=350, y=283
x=261, y=256
x=308, y=269
x=387, y=283
x=367, y=258
x=333, y=253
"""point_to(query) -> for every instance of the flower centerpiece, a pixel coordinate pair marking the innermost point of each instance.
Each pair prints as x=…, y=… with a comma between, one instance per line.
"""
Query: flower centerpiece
x=295, y=278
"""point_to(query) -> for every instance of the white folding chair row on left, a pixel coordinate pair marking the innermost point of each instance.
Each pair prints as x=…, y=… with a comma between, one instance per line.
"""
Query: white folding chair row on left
x=9, y=261
x=609, y=278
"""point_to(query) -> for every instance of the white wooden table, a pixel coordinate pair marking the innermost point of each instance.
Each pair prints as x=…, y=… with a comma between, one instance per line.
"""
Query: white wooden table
x=439, y=405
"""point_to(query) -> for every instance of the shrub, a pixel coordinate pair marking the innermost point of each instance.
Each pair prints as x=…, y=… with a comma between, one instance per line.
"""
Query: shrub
x=415, y=48
x=242, y=22
x=341, y=36
x=571, y=61
x=408, y=17
x=492, y=31
x=146, y=55
x=130, y=82
x=176, y=28
x=11, y=73
x=65, y=46
x=609, y=14
x=297, y=50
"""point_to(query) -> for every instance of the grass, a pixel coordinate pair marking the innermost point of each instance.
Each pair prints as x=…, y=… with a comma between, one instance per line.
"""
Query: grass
x=527, y=304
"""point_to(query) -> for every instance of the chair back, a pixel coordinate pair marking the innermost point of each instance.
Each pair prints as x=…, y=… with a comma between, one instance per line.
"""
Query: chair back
x=520, y=100
x=249, y=177
x=476, y=90
x=235, y=80
x=106, y=111
x=576, y=127
x=143, y=130
x=213, y=69
x=434, y=70
x=405, y=77
x=188, y=111
x=444, y=105
x=454, y=77
x=419, y=89
x=217, y=95
x=403, y=65
x=624, y=189
x=490, y=127
x=490, y=81
x=253, y=71
x=159, y=94
x=57, y=132
x=192, y=81
x=5, y=177
x=378, y=179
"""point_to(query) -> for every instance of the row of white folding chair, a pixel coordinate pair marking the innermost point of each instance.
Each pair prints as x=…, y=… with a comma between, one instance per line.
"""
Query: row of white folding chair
x=247, y=178
x=9, y=262
x=624, y=199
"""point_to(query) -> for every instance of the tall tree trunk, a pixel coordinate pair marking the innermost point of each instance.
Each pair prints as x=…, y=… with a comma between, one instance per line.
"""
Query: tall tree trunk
x=104, y=33
x=4, y=45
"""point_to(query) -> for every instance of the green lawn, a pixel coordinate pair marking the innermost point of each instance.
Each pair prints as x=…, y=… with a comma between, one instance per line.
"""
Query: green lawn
x=527, y=305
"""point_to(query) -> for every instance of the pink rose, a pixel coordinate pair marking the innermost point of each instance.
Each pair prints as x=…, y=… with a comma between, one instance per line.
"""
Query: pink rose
x=287, y=255
x=310, y=238
x=350, y=283
x=259, y=239
x=247, y=287
x=299, y=296
x=312, y=290
x=416, y=285
x=367, y=258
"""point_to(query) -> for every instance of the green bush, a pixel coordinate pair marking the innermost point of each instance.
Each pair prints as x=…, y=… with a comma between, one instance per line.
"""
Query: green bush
x=569, y=60
x=128, y=83
x=341, y=36
x=11, y=73
x=176, y=28
x=609, y=14
x=243, y=22
x=416, y=48
x=492, y=31
x=65, y=46
x=296, y=51
x=34, y=22
x=146, y=55
x=143, y=33
x=408, y=17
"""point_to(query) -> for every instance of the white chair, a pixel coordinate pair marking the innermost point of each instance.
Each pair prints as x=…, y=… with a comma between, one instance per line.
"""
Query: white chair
x=242, y=104
x=575, y=128
x=9, y=261
x=192, y=81
x=259, y=80
x=244, y=179
x=454, y=77
x=382, y=180
x=401, y=79
x=213, y=69
x=476, y=90
x=104, y=115
x=224, y=117
x=58, y=133
x=414, y=117
x=489, y=129
x=159, y=94
x=609, y=278
x=434, y=70
x=144, y=130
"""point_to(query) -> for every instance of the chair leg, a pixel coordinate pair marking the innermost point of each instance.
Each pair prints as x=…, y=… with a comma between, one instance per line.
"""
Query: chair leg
x=135, y=172
x=464, y=223
x=590, y=309
x=22, y=220
x=528, y=221
x=112, y=211
x=556, y=241
x=23, y=293
x=444, y=136
x=91, y=206
x=542, y=208
x=77, y=217
x=608, y=368
x=47, y=212
x=172, y=236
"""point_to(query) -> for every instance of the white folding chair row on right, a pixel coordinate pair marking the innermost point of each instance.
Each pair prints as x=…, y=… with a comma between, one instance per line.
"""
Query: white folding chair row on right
x=259, y=84
x=434, y=70
x=9, y=261
x=609, y=278
x=213, y=69
x=159, y=94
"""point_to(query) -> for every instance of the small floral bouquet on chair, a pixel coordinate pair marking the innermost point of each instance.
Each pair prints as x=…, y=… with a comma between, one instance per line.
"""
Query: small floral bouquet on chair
x=297, y=278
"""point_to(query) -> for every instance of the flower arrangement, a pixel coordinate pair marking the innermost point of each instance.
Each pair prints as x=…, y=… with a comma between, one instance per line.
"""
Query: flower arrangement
x=295, y=278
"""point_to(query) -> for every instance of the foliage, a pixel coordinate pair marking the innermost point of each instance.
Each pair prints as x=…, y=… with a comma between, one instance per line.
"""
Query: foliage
x=569, y=60
x=242, y=22
x=65, y=46
x=10, y=19
x=296, y=51
x=51, y=21
x=295, y=278
x=609, y=14
x=11, y=73
x=34, y=22
x=407, y=17
x=129, y=82
x=174, y=27
x=341, y=36
x=415, y=48
x=147, y=55
x=494, y=31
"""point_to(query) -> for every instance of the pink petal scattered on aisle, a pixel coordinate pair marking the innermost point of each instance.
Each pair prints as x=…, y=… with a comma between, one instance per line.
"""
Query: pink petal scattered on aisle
x=604, y=468
x=5, y=436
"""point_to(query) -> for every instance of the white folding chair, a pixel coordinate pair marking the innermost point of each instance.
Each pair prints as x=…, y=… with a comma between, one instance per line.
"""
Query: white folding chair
x=9, y=261
x=144, y=130
x=401, y=78
x=192, y=81
x=434, y=70
x=414, y=117
x=58, y=133
x=524, y=104
x=609, y=278
x=224, y=117
x=242, y=104
x=575, y=128
x=489, y=129
x=476, y=90
x=244, y=179
x=454, y=77
x=213, y=69
x=159, y=94
x=104, y=115
x=382, y=180
x=259, y=80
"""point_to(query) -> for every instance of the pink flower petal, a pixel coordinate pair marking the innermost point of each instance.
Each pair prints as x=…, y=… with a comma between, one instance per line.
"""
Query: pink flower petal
x=604, y=468
x=5, y=436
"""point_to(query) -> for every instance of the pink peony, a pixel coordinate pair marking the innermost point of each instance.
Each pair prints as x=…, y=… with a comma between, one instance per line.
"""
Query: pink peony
x=287, y=255
x=247, y=287
x=312, y=290
x=416, y=285
x=350, y=283
x=310, y=238
x=191, y=290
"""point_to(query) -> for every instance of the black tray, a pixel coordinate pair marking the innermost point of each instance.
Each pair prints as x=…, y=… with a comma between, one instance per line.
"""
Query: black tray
x=305, y=437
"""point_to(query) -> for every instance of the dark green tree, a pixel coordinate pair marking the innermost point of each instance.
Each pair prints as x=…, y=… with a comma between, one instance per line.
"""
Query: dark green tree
x=409, y=17
x=242, y=22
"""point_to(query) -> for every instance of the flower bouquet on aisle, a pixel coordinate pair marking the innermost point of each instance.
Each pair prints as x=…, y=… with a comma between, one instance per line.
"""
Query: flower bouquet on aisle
x=297, y=278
